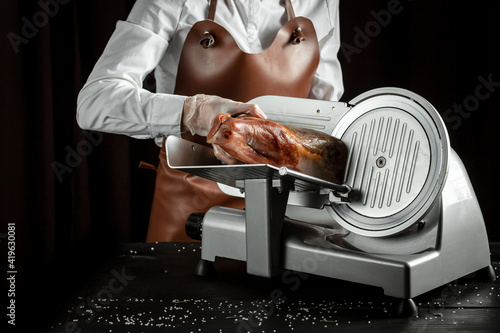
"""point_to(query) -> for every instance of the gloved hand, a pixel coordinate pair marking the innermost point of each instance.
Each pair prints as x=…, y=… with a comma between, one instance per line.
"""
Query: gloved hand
x=200, y=111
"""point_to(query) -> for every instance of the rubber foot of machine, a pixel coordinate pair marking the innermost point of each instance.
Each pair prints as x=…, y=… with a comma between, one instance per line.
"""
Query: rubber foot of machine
x=205, y=268
x=405, y=308
x=486, y=274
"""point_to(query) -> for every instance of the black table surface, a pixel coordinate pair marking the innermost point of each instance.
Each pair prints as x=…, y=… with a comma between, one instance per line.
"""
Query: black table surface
x=153, y=288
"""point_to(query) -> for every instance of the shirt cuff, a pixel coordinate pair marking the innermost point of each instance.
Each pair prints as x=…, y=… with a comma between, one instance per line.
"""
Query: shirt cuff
x=167, y=115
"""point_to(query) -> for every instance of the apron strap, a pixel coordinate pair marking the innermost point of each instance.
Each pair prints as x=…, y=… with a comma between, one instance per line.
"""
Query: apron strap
x=211, y=10
x=289, y=10
x=288, y=7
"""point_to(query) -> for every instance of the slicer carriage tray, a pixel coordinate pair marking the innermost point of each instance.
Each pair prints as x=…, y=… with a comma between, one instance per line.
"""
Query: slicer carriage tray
x=199, y=160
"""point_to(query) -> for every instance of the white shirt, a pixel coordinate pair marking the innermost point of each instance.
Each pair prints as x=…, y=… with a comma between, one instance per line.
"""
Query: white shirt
x=114, y=100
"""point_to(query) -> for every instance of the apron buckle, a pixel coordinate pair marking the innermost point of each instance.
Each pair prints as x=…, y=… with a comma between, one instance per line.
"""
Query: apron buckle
x=208, y=40
x=298, y=36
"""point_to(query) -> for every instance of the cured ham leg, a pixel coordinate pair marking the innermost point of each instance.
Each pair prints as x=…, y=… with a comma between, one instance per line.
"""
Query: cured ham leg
x=259, y=141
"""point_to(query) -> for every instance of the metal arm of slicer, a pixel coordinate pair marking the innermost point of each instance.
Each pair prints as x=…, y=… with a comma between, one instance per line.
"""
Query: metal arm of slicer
x=339, y=197
x=336, y=193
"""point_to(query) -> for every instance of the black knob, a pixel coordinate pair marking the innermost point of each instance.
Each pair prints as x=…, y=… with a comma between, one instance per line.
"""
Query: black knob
x=194, y=225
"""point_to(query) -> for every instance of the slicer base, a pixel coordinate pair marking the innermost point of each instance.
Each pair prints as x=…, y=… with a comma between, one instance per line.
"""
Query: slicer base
x=461, y=248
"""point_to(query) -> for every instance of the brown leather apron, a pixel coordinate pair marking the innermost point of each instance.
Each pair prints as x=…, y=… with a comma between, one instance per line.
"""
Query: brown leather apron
x=212, y=63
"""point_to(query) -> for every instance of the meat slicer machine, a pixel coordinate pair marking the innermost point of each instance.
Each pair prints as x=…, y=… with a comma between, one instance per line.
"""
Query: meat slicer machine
x=405, y=218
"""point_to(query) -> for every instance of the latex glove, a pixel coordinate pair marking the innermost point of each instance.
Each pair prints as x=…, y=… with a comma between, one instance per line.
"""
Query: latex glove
x=200, y=111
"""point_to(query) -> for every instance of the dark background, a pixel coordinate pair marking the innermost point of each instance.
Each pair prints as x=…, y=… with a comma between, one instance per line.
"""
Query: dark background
x=68, y=219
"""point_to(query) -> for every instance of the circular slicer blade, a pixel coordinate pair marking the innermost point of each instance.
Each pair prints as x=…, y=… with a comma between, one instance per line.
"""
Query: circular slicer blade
x=398, y=159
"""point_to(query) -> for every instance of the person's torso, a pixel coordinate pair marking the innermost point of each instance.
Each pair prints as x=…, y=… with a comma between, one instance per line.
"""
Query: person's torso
x=252, y=24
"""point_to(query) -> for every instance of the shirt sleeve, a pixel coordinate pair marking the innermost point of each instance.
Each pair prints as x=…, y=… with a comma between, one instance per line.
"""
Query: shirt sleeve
x=113, y=100
x=327, y=83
